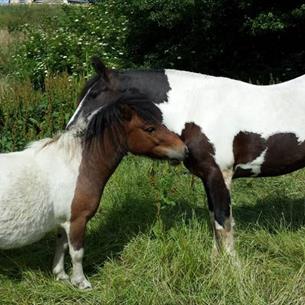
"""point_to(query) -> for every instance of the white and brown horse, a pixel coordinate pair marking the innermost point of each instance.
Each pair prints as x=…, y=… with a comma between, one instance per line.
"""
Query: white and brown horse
x=232, y=129
x=59, y=182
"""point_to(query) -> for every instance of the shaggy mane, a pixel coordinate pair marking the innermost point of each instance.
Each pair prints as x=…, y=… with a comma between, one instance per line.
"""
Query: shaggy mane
x=110, y=116
x=67, y=143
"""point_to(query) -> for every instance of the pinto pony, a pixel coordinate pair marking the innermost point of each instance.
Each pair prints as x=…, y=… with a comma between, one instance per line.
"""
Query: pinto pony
x=59, y=182
x=232, y=129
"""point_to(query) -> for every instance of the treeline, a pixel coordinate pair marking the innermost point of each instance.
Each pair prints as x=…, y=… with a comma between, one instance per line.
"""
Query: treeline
x=238, y=38
x=247, y=39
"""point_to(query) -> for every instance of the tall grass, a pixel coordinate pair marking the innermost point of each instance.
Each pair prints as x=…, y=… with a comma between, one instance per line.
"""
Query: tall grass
x=26, y=114
x=150, y=241
x=140, y=250
x=14, y=17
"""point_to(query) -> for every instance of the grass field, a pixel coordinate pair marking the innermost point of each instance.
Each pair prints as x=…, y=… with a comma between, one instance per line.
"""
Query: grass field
x=150, y=243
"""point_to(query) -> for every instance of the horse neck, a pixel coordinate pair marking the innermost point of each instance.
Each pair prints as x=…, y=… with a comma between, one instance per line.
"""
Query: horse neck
x=153, y=84
x=100, y=158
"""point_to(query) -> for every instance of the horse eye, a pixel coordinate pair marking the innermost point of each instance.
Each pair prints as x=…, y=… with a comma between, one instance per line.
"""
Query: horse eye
x=150, y=129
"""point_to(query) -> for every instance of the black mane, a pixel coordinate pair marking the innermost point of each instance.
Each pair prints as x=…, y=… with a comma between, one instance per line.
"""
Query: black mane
x=111, y=115
x=88, y=85
x=138, y=90
x=153, y=83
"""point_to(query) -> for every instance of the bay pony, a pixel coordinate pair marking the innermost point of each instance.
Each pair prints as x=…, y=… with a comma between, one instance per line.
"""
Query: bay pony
x=58, y=182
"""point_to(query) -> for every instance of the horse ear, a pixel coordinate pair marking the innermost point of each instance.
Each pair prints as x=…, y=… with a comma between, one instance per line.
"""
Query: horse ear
x=126, y=112
x=100, y=68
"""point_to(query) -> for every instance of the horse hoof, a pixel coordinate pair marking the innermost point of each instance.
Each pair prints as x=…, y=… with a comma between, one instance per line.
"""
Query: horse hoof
x=81, y=284
x=62, y=276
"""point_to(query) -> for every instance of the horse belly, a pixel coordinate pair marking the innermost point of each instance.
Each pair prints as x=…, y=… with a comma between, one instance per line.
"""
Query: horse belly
x=279, y=154
x=26, y=211
x=284, y=154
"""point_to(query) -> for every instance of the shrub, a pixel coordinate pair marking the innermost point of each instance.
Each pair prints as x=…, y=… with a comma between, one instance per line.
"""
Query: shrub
x=239, y=39
x=67, y=43
x=26, y=115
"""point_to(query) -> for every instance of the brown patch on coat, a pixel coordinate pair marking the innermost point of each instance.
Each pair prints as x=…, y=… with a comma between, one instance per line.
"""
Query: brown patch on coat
x=200, y=149
x=96, y=167
x=247, y=146
x=201, y=163
x=285, y=154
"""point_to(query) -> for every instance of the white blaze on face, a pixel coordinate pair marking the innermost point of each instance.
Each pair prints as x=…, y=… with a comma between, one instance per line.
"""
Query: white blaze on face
x=78, y=110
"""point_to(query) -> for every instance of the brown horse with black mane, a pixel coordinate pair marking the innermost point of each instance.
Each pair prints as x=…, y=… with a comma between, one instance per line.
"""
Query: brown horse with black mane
x=59, y=182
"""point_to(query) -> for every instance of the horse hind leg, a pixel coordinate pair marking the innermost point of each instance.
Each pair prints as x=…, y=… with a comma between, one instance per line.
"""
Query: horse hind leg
x=58, y=261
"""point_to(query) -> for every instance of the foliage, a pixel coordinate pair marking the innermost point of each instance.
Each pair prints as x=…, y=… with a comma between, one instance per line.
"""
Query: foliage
x=239, y=39
x=67, y=43
x=14, y=17
x=26, y=114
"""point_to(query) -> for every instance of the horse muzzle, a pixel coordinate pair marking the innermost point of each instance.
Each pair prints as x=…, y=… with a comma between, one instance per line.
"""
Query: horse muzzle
x=177, y=155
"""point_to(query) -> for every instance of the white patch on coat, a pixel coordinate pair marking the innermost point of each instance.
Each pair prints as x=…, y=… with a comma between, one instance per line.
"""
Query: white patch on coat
x=254, y=165
x=218, y=226
x=227, y=177
x=223, y=107
x=36, y=189
x=78, y=278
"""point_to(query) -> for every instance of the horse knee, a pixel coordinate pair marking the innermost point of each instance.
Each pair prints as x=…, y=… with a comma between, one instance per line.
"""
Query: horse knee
x=223, y=234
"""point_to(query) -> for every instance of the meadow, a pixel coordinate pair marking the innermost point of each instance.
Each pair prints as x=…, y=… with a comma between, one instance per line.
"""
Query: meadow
x=150, y=241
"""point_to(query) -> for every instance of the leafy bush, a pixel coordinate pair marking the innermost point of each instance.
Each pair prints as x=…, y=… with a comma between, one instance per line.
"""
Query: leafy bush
x=26, y=115
x=239, y=39
x=66, y=43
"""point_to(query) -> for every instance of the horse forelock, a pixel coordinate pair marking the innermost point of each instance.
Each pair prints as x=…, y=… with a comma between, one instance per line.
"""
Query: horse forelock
x=110, y=116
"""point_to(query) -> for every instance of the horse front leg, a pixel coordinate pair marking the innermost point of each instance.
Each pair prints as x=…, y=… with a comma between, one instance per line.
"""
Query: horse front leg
x=201, y=162
x=76, y=234
x=58, y=262
x=217, y=185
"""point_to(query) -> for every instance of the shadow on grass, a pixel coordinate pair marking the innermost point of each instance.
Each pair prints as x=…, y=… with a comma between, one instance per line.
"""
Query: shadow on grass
x=272, y=213
x=106, y=239
x=120, y=224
